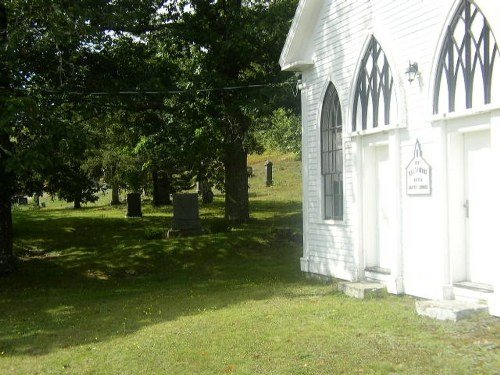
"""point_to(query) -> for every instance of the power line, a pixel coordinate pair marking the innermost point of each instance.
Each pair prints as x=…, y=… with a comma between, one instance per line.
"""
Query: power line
x=155, y=92
x=163, y=92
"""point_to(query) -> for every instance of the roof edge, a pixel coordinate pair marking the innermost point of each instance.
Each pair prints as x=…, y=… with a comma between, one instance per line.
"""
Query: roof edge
x=302, y=27
x=297, y=66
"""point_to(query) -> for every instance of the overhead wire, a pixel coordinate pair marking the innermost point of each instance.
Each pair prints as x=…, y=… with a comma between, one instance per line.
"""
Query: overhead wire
x=153, y=92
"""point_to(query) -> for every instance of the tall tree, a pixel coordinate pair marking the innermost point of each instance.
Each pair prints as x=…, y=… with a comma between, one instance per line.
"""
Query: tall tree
x=6, y=173
x=50, y=53
x=235, y=45
x=59, y=51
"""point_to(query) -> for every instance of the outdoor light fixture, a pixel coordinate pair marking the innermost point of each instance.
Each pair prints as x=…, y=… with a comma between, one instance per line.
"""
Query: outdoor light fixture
x=412, y=71
x=300, y=85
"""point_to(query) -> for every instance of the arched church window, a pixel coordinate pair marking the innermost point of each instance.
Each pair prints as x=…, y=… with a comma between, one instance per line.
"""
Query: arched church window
x=374, y=98
x=331, y=155
x=466, y=67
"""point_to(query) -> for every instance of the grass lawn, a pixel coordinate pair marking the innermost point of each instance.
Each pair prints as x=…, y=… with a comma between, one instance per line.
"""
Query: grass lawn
x=97, y=293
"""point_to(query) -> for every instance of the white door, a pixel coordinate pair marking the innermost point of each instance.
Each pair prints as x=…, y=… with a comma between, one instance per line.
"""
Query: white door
x=384, y=197
x=480, y=221
x=377, y=213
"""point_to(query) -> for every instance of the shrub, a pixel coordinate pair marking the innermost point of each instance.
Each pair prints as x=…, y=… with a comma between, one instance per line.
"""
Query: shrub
x=154, y=233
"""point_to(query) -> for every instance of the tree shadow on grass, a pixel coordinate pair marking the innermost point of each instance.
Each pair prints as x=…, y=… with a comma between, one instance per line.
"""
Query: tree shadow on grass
x=86, y=279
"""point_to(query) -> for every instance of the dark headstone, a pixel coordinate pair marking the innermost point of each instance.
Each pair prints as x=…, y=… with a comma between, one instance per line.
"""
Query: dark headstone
x=163, y=196
x=269, y=173
x=19, y=199
x=161, y=189
x=186, y=215
x=134, y=205
x=249, y=171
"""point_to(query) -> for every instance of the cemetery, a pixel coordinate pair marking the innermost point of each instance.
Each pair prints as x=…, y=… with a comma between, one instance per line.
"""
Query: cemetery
x=175, y=198
x=100, y=294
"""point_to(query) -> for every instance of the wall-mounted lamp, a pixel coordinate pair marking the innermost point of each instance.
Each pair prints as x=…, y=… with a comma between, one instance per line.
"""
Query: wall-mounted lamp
x=300, y=85
x=412, y=71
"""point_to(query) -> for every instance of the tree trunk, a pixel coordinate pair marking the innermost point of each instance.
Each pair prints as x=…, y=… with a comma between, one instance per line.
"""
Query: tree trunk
x=7, y=259
x=205, y=189
x=36, y=200
x=115, y=194
x=156, y=188
x=235, y=154
x=77, y=203
x=236, y=183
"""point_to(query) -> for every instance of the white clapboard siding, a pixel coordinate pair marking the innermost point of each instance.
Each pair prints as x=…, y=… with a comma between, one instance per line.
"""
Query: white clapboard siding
x=338, y=40
x=427, y=252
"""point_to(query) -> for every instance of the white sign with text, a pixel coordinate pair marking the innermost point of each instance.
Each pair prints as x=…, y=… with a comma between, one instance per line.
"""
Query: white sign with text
x=418, y=174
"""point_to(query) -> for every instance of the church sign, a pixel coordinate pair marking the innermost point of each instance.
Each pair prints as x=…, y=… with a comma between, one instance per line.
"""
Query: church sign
x=418, y=174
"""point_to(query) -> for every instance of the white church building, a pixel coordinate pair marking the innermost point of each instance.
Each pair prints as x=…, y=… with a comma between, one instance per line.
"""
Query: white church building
x=401, y=143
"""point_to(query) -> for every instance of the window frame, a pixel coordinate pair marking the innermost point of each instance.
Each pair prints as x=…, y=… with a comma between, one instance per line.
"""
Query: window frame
x=373, y=84
x=471, y=56
x=332, y=155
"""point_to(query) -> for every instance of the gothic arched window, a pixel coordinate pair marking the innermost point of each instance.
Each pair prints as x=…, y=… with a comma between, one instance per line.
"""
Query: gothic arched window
x=331, y=155
x=374, y=99
x=466, y=64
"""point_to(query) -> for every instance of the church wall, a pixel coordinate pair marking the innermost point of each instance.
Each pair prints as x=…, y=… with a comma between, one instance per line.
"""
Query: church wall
x=406, y=31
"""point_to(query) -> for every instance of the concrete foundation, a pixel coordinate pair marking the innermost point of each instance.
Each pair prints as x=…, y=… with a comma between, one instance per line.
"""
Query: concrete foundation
x=361, y=289
x=449, y=310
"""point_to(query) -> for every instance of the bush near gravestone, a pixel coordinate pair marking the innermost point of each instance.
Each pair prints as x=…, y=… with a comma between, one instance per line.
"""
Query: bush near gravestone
x=220, y=226
x=154, y=233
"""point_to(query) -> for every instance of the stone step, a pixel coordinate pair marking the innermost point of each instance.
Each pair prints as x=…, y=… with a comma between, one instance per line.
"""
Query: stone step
x=361, y=289
x=449, y=310
x=467, y=291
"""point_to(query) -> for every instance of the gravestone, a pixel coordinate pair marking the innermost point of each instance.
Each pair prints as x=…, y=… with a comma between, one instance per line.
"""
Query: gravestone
x=134, y=205
x=161, y=189
x=19, y=199
x=269, y=173
x=186, y=216
x=162, y=196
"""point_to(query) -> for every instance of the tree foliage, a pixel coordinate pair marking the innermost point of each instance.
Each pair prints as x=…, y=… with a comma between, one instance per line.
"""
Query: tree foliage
x=202, y=74
x=282, y=131
x=234, y=44
x=53, y=54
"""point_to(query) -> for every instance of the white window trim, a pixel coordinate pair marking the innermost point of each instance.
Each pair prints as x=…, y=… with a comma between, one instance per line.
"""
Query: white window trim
x=485, y=109
x=382, y=129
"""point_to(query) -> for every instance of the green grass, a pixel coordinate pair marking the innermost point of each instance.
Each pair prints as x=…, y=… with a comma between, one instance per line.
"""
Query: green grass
x=97, y=293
